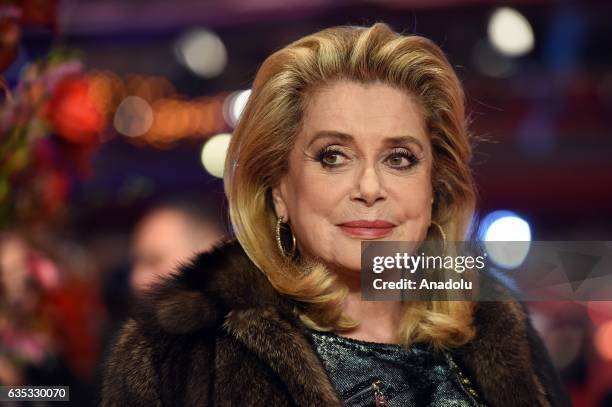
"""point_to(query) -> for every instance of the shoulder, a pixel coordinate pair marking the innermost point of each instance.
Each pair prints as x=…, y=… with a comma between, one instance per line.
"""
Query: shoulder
x=183, y=313
x=204, y=290
x=507, y=356
x=128, y=375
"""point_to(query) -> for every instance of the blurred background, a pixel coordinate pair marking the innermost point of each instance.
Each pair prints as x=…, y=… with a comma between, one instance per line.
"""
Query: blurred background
x=116, y=114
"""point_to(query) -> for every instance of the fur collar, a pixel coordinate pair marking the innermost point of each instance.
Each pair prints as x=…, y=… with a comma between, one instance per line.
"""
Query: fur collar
x=202, y=293
x=223, y=288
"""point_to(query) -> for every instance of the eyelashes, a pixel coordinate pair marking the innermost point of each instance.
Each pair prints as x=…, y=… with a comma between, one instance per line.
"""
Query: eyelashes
x=406, y=154
x=326, y=152
x=399, y=158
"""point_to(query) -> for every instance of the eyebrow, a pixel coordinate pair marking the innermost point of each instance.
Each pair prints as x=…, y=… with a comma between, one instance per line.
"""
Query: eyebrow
x=338, y=135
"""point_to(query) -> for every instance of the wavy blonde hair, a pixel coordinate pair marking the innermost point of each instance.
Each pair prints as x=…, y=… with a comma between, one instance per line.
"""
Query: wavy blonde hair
x=259, y=149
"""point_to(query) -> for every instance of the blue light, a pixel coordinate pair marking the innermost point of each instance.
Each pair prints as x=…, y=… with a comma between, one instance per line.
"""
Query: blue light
x=505, y=226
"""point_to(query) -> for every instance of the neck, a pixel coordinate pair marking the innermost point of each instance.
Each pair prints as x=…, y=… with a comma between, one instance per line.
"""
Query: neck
x=378, y=320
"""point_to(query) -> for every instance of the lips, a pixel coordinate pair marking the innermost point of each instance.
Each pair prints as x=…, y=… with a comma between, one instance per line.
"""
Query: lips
x=368, y=224
x=365, y=229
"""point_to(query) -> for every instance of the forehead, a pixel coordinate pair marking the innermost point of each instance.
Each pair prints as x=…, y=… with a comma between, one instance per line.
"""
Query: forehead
x=366, y=111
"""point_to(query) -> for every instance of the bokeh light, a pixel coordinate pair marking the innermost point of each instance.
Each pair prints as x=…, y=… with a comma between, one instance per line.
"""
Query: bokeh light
x=214, y=152
x=234, y=105
x=133, y=117
x=72, y=112
x=510, y=32
x=203, y=52
x=506, y=226
x=603, y=340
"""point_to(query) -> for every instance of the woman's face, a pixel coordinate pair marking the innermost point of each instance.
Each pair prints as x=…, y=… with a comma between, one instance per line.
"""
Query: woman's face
x=362, y=155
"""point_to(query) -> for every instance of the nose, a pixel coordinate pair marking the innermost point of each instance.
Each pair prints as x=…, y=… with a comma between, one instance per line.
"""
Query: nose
x=369, y=187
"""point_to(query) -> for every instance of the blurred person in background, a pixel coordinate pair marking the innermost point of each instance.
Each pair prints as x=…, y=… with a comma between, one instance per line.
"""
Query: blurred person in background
x=47, y=320
x=26, y=337
x=170, y=233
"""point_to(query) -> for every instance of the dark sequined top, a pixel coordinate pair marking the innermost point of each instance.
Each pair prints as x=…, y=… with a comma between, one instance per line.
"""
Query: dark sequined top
x=364, y=372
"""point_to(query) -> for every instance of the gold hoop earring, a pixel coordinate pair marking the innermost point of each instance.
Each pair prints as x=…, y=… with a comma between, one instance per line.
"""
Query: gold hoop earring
x=441, y=234
x=279, y=242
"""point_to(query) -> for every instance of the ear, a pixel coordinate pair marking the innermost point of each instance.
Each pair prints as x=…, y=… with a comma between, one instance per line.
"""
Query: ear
x=280, y=204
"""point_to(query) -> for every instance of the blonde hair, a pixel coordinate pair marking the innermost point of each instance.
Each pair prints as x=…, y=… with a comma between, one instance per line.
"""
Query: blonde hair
x=259, y=149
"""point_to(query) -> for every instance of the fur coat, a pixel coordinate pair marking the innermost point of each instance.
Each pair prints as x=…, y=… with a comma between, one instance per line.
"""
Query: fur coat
x=217, y=333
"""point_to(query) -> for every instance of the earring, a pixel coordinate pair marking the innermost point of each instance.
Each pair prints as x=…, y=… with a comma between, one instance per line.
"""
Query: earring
x=279, y=242
x=441, y=234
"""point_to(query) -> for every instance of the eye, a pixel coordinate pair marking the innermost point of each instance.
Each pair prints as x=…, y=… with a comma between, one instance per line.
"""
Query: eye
x=401, y=159
x=331, y=156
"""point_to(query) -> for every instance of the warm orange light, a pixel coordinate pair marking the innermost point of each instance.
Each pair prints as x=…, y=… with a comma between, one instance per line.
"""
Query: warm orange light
x=173, y=118
x=603, y=340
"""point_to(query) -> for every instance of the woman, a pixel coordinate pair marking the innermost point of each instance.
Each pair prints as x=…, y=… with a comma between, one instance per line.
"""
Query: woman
x=349, y=134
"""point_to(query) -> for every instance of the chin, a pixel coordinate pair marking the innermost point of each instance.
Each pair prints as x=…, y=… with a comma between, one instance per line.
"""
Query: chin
x=343, y=252
x=346, y=267
x=350, y=257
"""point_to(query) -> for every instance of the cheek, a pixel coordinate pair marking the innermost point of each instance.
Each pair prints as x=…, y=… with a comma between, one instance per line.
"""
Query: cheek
x=316, y=194
x=412, y=200
x=415, y=205
x=314, y=203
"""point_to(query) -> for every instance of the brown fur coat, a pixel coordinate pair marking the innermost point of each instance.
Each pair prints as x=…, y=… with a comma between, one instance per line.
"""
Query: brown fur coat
x=217, y=333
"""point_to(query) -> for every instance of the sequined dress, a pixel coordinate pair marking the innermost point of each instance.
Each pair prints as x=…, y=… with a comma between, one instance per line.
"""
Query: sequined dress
x=378, y=374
